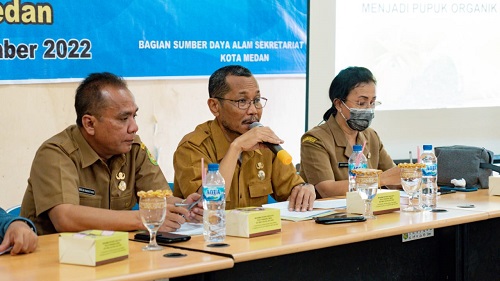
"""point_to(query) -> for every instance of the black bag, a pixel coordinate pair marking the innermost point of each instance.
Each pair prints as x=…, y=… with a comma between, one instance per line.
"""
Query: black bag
x=474, y=164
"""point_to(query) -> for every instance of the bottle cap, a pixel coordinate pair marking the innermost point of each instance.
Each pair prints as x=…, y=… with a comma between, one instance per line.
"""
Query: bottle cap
x=427, y=146
x=357, y=147
x=213, y=167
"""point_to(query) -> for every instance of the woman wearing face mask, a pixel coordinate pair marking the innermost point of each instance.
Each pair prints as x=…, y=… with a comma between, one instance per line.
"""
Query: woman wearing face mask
x=326, y=148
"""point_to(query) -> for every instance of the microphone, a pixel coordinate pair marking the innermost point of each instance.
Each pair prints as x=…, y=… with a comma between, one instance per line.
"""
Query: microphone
x=275, y=148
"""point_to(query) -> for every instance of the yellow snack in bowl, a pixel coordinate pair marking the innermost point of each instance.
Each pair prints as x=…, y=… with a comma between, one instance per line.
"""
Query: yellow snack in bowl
x=155, y=193
x=411, y=165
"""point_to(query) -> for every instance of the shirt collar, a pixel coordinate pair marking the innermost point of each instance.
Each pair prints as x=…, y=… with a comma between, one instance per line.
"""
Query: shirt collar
x=222, y=144
x=339, y=136
x=89, y=156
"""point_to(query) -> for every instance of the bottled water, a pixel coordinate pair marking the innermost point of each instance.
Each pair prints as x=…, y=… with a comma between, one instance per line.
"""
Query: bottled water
x=357, y=160
x=214, y=205
x=428, y=194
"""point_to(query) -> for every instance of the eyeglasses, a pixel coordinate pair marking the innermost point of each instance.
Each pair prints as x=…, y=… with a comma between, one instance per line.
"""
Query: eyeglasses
x=365, y=104
x=245, y=104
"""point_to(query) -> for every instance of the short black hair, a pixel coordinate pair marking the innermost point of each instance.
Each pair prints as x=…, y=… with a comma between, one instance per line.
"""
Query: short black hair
x=89, y=98
x=217, y=86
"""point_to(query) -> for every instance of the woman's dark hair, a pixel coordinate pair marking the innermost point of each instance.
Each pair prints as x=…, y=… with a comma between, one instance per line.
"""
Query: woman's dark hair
x=89, y=98
x=344, y=82
x=217, y=86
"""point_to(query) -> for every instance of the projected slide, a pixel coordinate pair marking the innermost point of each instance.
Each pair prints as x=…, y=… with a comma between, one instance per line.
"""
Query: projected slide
x=424, y=54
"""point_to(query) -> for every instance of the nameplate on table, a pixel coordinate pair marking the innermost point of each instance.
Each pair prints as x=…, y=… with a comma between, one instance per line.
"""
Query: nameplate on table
x=252, y=222
x=385, y=201
x=93, y=247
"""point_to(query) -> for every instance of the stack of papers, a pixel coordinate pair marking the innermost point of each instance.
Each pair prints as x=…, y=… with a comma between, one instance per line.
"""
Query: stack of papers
x=190, y=229
x=322, y=208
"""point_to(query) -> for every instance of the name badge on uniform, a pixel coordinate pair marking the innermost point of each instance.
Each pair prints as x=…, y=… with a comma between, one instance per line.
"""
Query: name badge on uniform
x=85, y=190
x=343, y=164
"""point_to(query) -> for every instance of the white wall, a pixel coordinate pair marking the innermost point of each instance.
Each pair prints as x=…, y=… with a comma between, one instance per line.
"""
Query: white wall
x=32, y=113
x=400, y=131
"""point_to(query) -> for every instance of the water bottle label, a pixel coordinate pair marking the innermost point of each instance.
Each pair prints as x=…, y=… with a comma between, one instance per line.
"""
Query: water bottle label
x=352, y=166
x=430, y=170
x=213, y=193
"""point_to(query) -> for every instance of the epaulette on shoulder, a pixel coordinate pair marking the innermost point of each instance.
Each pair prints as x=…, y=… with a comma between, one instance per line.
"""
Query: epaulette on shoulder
x=310, y=139
x=195, y=137
x=68, y=146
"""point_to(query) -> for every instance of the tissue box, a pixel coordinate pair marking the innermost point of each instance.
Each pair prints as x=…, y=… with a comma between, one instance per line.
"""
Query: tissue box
x=93, y=247
x=494, y=185
x=385, y=201
x=252, y=221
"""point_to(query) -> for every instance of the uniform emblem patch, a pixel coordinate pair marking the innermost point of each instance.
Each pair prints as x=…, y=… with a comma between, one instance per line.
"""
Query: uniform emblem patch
x=150, y=156
x=309, y=139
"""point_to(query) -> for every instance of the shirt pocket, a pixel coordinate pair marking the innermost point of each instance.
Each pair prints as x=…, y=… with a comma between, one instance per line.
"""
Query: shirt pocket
x=260, y=188
x=123, y=203
x=91, y=201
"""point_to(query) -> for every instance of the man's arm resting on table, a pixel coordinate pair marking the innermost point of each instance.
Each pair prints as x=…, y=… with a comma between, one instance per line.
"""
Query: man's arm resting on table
x=74, y=218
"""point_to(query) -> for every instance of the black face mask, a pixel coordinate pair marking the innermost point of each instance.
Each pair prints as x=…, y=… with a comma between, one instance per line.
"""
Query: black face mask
x=360, y=118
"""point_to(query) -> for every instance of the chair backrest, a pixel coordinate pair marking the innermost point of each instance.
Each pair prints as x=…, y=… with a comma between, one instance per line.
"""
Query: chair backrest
x=270, y=200
x=15, y=210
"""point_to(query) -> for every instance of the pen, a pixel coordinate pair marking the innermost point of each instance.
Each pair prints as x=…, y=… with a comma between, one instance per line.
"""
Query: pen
x=188, y=205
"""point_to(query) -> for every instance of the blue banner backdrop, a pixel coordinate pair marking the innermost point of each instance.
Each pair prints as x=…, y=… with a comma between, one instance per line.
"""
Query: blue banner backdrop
x=59, y=39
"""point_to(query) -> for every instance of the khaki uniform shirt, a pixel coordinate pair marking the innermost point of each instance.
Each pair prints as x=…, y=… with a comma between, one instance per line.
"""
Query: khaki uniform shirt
x=258, y=173
x=324, y=152
x=66, y=170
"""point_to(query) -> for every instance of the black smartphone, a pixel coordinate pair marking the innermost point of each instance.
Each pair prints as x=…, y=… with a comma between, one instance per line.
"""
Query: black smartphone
x=162, y=237
x=443, y=192
x=338, y=218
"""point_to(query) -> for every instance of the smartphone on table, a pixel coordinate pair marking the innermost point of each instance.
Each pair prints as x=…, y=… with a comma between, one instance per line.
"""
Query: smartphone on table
x=162, y=237
x=339, y=218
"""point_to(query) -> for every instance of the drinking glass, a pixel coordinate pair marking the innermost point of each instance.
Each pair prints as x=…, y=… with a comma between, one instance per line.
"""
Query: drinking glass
x=153, y=211
x=367, y=184
x=411, y=177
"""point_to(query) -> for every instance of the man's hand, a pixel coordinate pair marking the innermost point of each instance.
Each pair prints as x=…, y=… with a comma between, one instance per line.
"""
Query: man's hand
x=254, y=138
x=21, y=237
x=302, y=198
x=196, y=211
x=176, y=216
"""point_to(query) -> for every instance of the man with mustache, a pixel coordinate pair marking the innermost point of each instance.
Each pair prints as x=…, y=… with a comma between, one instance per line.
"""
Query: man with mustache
x=250, y=169
x=88, y=176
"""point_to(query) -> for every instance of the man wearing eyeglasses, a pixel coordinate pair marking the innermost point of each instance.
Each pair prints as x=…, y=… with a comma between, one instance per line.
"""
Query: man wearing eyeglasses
x=325, y=149
x=251, y=170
